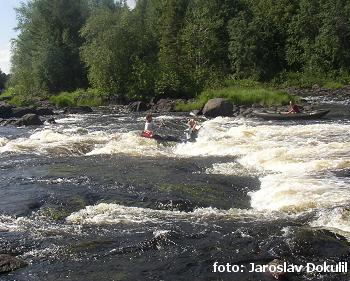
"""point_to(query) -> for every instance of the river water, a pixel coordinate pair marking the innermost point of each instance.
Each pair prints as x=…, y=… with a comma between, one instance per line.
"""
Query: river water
x=89, y=199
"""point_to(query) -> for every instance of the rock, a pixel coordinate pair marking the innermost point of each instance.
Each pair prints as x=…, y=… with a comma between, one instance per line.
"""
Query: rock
x=78, y=110
x=319, y=243
x=21, y=111
x=9, y=263
x=8, y=122
x=43, y=111
x=138, y=106
x=5, y=111
x=28, y=120
x=218, y=107
x=51, y=120
x=165, y=105
x=257, y=105
x=272, y=266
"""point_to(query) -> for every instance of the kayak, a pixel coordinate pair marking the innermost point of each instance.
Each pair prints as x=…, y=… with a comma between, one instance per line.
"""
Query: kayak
x=292, y=116
x=150, y=135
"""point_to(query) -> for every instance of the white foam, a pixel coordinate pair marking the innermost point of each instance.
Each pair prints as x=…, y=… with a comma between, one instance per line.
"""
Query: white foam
x=3, y=141
x=336, y=220
x=105, y=213
x=294, y=160
x=132, y=144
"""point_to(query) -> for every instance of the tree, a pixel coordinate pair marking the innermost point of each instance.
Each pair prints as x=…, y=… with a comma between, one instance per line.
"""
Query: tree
x=108, y=49
x=319, y=37
x=169, y=81
x=204, y=43
x=3, y=79
x=258, y=38
x=46, y=53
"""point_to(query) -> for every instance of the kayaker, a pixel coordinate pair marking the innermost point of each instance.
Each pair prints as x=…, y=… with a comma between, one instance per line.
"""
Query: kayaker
x=148, y=132
x=293, y=108
x=193, y=128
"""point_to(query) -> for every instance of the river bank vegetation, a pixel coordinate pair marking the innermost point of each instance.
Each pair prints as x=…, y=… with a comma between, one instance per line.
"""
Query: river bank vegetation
x=94, y=52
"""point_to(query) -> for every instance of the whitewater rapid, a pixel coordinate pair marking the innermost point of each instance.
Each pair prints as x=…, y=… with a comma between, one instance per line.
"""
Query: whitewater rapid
x=297, y=164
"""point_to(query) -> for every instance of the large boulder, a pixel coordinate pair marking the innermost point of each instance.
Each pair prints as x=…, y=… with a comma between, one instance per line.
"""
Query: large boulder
x=9, y=263
x=138, y=106
x=5, y=111
x=78, y=110
x=218, y=107
x=28, y=120
x=21, y=111
x=164, y=105
x=43, y=111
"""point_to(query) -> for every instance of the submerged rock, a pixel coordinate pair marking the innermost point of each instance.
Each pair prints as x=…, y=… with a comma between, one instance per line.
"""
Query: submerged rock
x=43, y=111
x=28, y=120
x=218, y=107
x=138, y=106
x=78, y=110
x=9, y=263
x=21, y=111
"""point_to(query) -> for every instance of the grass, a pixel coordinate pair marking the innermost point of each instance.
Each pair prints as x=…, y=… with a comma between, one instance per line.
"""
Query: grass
x=307, y=80
x=79, y=97
x=241, y=92
x=13, y=98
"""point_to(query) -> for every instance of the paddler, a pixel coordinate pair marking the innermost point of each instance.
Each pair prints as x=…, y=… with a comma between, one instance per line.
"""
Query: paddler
x=293, y=108
x=149, y=127
x=193, y=128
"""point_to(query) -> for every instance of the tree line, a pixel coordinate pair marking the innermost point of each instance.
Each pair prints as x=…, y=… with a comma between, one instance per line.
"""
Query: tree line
x=174, y=48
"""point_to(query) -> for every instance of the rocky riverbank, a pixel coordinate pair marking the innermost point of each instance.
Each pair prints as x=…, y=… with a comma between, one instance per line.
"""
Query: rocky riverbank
x=311, y=98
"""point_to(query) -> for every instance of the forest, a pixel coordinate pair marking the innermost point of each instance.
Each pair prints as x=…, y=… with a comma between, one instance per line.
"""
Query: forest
x=104, y=50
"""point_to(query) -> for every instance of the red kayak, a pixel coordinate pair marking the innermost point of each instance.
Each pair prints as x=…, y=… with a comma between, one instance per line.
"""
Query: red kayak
x=147, y=134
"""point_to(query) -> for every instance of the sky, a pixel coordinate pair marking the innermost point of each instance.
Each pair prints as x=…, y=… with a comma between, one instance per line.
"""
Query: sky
x=7, y=32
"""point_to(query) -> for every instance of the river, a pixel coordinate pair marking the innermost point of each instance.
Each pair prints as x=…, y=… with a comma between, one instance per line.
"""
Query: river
x=89, y=199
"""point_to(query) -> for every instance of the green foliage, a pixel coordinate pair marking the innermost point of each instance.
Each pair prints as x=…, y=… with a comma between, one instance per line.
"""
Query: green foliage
x=319, y=36
x=13, y=96
x=177, y=48
x=249, y=96
x=46, y=56
x=240, y=92
x=203, y=45
x=306, y=80
x=258, y=38
x=189, y=106
x=3, y=80
x=90, y=97
x=169, y=80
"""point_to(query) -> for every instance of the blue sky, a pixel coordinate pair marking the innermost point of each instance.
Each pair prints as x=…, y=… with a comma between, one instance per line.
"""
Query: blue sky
x=7, y=25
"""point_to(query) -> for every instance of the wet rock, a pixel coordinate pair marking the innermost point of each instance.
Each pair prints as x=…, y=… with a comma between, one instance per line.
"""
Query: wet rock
x=138, y=106
x=19, y=112
x=319, y=243
x=6, y=122
x=164, y=105
x=43, y=111
x=78, y=110
x=51, y=120
x=218, y=107
x=275, y=273
x=5, y=111
x=257, y=105
x=9, y=263
x=28, y=120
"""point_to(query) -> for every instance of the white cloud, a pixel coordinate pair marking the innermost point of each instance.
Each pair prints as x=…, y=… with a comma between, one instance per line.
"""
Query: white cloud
x=5, y=56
